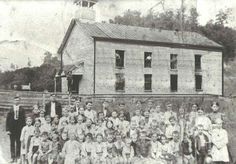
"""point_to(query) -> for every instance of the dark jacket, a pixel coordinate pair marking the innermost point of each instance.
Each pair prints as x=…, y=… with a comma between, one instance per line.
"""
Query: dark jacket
x=15, y=126
x=58, y=109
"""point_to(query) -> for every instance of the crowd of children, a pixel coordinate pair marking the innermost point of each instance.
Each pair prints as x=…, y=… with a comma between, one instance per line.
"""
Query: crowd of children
x=111, y=136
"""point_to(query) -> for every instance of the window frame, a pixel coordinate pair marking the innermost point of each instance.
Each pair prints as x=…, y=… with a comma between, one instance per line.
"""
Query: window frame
x=172, y=90
x=196, y=86
x=146, y=62
x=171, y=62
x=146, y=82
x=197, y=65
x=122, y=62
x=122, y=78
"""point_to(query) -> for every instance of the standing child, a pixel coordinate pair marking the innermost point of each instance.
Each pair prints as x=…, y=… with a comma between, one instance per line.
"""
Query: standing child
x=26, y=133
x=71, y=150
x=46, y=127
x=201, y=145
x=56, y=149
x=100, y=149
x=34, y=147
x=137, y=117
x=128, y=152
x=114, y=118
x=71, y=127
x=87, y=147
x=124, y=126
x=45, y=147
x=42, y=117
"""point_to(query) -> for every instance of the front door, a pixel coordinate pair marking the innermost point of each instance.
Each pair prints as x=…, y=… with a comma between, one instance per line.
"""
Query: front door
x=75, y=85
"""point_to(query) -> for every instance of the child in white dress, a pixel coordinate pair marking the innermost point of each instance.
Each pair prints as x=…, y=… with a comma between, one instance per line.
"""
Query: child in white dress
x=71, y=150
x=26, y=133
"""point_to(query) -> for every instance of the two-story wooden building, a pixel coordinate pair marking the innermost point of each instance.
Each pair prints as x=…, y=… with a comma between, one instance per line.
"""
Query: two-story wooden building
x=116, y=59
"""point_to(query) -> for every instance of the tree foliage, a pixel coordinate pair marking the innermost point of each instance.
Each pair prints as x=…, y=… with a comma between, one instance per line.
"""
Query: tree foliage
x=41, y=78
x=215, y=30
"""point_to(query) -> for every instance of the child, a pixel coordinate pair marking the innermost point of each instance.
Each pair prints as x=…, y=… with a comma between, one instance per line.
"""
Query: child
x=124, y=126
x=100, y=149
x=114, y=118
x=109, y=128
x=173, y=126
x=118, y=145
x=34, y=147
x=45, y=147
x=46, y=127
x=202, y=145
x=169, y=113
x=65, y=117
x=71, y=127
x=203, y=120
x=165, y=149
x=147, y=120
x=89, y=127
x=26, y=133
x=42, y=117
x=100, y=128
x=87, y=147
x=80, y=125
x=186, y=150
x=137, y=117
x=128, y=152
x=37, y=124
x=155, y=149
x=143, y=146
x=89, y=112
x=62, y=127
x=71, y=150
x=56, y=149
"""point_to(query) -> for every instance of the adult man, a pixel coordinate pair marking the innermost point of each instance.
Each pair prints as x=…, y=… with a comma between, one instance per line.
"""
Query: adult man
x=53, y=107
x=14, y=123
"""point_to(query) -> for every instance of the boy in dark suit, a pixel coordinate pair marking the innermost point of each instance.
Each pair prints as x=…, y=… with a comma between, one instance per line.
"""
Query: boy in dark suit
x=14, y=123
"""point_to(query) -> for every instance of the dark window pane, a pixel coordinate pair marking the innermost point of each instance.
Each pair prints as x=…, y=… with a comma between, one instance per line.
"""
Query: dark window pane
x=147, y=59
x=198, y=82
x=173, y=61
x=173, y=83
x=147, y=82
x=120, y=82
x=198, y=62
x=85, y=4
x=120, y=59
x=91, y=4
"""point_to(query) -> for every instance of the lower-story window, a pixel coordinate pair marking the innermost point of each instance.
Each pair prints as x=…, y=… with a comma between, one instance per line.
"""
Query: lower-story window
x=147, y=82
x=120, y=82
x=198, y=82
x=174, y=83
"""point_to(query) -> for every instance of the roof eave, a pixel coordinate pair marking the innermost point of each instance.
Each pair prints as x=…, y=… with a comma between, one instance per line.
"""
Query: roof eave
x=67, y=35
x=165, y=44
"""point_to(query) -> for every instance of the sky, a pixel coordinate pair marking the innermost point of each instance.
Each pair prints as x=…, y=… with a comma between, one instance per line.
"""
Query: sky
x=28, y=28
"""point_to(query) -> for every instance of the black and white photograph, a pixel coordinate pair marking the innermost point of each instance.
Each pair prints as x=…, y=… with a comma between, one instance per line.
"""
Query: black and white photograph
x=117, y=82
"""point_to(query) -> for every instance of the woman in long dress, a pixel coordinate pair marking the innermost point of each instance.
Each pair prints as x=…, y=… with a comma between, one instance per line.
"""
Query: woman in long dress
x=220, y=140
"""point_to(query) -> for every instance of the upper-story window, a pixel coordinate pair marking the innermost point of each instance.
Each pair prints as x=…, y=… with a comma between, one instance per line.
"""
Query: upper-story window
x=198, y=62
x=147, y=59
x=173, y=61
x=120, y=54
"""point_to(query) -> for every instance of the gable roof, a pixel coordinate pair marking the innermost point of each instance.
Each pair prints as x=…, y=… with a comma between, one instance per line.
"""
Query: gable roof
x=134, y=33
